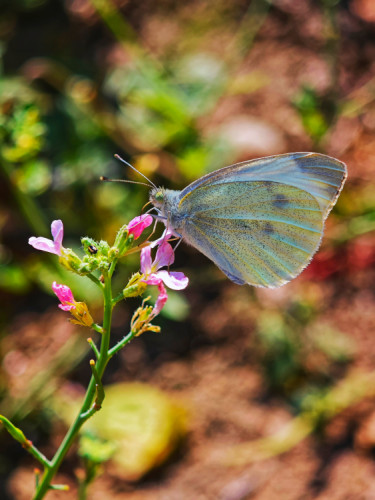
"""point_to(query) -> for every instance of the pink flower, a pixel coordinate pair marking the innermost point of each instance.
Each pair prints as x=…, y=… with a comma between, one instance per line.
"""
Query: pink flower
x=152, y=275
x=164, y=237
x=137, y=225
x=164, y=257
x=78, y=310
x=65, y=296
x=46, y=245
x=161, y=300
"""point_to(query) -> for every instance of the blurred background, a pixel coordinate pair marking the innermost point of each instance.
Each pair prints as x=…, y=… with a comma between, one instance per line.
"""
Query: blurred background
x=246, y=393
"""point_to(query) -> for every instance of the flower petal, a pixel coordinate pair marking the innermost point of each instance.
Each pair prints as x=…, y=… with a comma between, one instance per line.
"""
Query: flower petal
x=164, y=237
x=174, y=280
x=137, y=225
x=57, y=230
x=153, y=279
x=64, y=294
x=146, y=261
x=44, y=244
x=161, y=300
x=164, y=255
x=66, y=307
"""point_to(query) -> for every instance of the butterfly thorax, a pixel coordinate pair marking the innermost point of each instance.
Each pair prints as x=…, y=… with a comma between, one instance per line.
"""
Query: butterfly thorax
x=166, y=202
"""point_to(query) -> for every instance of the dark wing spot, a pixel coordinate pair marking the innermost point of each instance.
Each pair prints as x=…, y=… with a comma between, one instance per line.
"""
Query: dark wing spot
x=243, y=224
x=280, y=201
x=268, y=228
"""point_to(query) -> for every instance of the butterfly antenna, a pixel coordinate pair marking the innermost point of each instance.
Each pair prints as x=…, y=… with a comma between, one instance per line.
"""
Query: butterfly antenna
x=105, y=179
x=138, y=172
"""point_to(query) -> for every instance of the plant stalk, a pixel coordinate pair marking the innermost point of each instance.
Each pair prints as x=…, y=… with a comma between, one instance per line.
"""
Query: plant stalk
x=84, y=413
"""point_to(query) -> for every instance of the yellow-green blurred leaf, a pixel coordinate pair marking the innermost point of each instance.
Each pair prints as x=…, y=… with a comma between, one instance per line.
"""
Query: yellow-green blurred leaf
x=145, y=424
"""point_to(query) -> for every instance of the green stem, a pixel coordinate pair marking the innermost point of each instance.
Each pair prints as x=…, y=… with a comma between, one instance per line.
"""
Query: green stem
x=97, y=328
x=38, y=455
x=99, y=387
x=86, y=410
x=118, y=298
x=93, y=347
x=112, y=267
x=95, y=280
x=19, y=436
x=122, y=343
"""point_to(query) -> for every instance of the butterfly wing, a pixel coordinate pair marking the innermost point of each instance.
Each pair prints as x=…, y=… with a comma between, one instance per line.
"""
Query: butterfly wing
x=258, y=232
x=317, y=174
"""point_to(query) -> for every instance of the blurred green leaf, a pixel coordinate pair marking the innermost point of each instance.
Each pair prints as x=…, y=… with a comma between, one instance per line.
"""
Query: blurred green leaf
x=316, y=112
x=13, y=279
x=333, y=343
x=145, y=424
x=34, y=177
x=280, y=349
x=177, y=307
x=97, y=450
x=21, y=130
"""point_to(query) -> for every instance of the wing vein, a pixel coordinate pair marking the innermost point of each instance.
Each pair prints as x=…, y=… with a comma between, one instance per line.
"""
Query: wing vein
x=300, y=226
x=245, y=263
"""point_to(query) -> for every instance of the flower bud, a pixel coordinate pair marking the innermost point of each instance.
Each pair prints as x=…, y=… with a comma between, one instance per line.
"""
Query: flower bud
x=123, y=241
x=134, y=287
x=14, y=431
x=90, y=246
x=70, y=260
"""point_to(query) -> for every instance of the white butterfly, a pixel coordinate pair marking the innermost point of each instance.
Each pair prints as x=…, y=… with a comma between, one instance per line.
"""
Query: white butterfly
x=259, y=221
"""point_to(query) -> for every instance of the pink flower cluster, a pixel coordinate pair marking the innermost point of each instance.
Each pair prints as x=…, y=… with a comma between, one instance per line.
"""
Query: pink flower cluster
x=150, y=269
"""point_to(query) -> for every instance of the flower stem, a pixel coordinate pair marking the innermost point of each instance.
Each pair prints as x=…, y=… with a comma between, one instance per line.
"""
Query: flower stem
x=125, y=340
x=93, y=347
x=95, y=280
x=87, y=410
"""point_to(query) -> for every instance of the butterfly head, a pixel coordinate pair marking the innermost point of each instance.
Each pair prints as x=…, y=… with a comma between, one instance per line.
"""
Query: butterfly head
x=157, y=197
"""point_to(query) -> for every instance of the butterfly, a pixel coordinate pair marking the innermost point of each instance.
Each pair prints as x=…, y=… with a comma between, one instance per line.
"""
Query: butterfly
x=260, y=221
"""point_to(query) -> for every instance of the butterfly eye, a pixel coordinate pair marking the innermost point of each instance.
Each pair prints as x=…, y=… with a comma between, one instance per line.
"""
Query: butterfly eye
x=159, y=196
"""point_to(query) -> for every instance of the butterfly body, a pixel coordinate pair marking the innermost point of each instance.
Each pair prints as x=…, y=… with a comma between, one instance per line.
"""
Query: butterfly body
x=260, y=221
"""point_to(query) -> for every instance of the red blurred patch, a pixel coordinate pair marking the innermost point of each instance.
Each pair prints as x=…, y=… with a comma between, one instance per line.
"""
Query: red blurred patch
x=357, y=255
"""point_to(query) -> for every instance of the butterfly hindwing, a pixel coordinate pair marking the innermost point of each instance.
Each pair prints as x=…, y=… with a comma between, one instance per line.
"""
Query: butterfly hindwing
x=258, y=232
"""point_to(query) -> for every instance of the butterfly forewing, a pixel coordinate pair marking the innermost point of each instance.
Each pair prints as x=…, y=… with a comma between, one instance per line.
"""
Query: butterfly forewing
x=320, y=175
x=258, y=232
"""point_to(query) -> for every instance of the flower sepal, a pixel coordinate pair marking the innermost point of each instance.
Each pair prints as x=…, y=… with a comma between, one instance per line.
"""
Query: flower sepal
x=122, y=242
x=141, y=320
x=81, y=315
x=70, y=260
x=135, y=286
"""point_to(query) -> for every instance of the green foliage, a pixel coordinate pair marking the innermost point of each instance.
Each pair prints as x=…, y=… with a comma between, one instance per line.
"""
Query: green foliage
x=22, y=132
x=93, y=452
x=316, y=112
x=167, y=105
